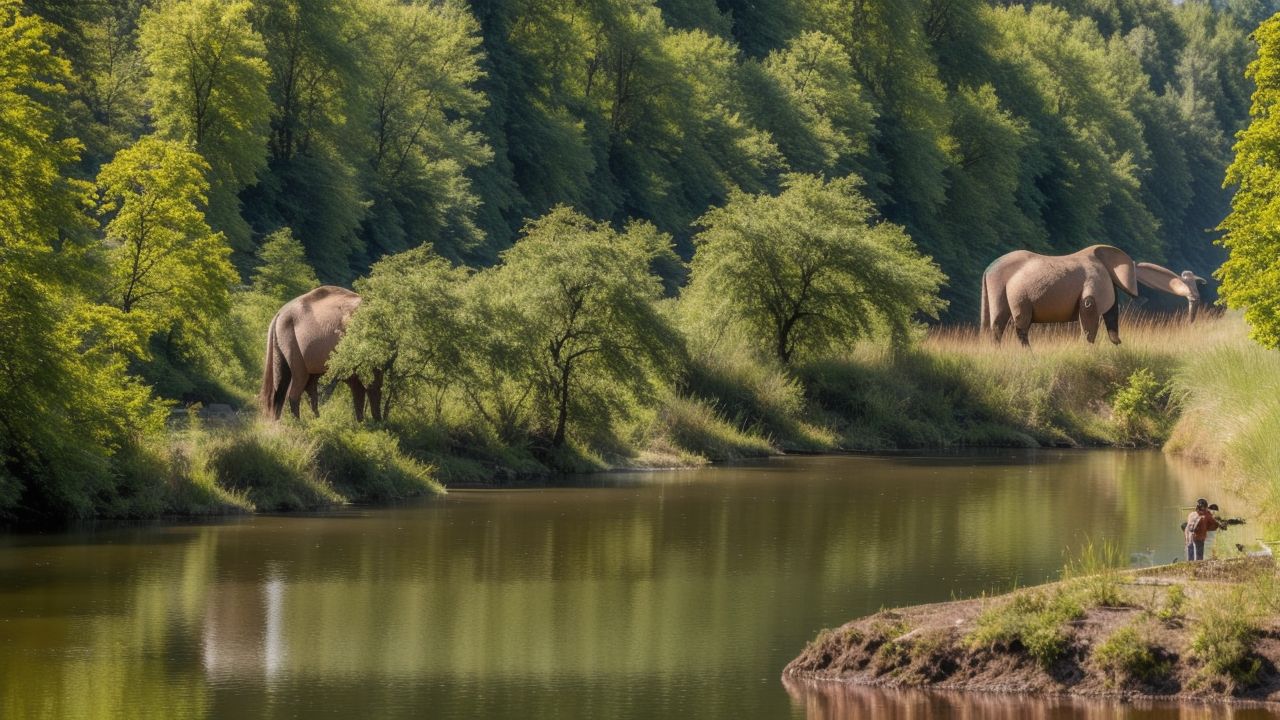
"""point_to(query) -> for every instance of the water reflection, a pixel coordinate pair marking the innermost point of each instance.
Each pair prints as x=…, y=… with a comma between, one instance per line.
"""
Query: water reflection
x=837, y=701
x=664, y=594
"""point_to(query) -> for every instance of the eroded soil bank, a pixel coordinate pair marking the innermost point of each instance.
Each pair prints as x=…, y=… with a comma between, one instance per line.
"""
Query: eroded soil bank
x=1208, y=632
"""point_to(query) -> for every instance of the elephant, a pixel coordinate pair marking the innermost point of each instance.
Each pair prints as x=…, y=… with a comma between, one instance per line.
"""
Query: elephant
x=1165, y=280
x=300, y=340
x=1027, y=288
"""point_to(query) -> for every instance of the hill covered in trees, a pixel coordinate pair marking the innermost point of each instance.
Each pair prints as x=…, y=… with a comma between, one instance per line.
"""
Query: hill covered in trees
x=579, y=225
x=371, y=126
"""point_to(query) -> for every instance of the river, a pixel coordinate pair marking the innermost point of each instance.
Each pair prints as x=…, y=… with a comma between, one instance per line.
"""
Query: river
x=658, y=594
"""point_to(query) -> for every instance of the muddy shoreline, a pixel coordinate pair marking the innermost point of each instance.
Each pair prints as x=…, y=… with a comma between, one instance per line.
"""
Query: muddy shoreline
x=1139, y=646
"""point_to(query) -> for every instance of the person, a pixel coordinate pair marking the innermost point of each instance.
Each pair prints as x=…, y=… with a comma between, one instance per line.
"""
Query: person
x=1199, y=523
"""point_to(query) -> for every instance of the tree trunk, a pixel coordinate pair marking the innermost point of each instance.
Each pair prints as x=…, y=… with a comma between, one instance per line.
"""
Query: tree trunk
x=562, y=418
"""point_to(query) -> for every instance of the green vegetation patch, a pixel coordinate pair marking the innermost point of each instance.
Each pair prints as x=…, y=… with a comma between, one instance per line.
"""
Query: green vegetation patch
x=1033, y=620
x=1128, y=654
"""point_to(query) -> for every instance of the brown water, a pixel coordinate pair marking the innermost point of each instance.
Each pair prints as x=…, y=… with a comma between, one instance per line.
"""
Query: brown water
x=671, y=594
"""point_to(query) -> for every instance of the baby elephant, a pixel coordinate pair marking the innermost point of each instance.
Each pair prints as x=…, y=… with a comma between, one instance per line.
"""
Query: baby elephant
x=1026, y=287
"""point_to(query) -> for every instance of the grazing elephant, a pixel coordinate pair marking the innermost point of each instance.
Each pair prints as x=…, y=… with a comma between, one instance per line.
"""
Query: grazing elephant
x=1029, y=288
x=1164, y=280
x=300, y=340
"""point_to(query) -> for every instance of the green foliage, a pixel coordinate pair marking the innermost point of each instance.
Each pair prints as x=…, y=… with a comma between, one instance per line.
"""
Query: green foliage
x=282, y=272
x=815, y=109
x=809, y=269
x=421, y=63
x=367, y=465
x=1251, y=275
x=167, y=270
x=581, y=297
x=67, y=404
x=1035, y=621
x=1128, y=654
x=1094, y=574
x=1138, y=407
x=208, y=87
x=408, y=327
x=1224, y=637
x=1175, y=603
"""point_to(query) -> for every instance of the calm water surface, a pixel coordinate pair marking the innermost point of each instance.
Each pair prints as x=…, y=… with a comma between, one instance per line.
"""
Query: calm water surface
x=671, y=594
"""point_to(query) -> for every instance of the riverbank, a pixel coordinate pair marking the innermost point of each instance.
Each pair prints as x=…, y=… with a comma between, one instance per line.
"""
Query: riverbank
x=1204, y=631
x=1201, y=385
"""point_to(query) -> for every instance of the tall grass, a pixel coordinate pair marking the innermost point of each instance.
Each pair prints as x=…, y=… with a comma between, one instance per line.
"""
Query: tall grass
x=1229, y=394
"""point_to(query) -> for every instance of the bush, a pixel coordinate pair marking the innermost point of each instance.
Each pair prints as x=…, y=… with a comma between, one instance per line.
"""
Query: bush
x=1034, y=620
x=695, y=426
x=1223, y=640
x=367, y=465
x=1138, y=409
x=1127, y=654
x=272, y=465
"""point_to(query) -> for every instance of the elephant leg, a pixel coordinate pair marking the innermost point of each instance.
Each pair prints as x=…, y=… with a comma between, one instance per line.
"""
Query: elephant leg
x=1089, y=317
x=357, y=396
x=299, y=378
x=313, y=394
x=1112, y=320
x=375, y=395
x=1000, y=321
x=297, y=386
x=1022, y=323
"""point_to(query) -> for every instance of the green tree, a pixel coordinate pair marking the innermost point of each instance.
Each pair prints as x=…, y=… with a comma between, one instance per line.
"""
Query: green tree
x=1251, y=275
x=421, y=62
x=208, y=86
x=66, y=403
x=168, y=269
x=282, y=272
x=809, y=269
x=408, y=328
x=813, y=106
x=312, y=183
x=583, y=296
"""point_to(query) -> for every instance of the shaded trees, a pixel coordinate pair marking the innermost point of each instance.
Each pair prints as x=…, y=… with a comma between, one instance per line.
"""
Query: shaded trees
x=208, y=87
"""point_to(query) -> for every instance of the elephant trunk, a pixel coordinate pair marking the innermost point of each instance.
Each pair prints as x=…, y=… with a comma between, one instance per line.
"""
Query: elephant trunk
x=1193, y=308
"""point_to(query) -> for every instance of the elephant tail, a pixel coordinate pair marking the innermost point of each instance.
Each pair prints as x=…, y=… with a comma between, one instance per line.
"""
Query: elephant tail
x=271, y=372
x=984, y=322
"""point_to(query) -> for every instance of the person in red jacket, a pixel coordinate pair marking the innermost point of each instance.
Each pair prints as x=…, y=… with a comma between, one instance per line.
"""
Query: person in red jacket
x=1199, y=523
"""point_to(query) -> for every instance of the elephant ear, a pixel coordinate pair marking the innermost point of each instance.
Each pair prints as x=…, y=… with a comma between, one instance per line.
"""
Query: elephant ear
x=1119, y=265
x=1164, y=280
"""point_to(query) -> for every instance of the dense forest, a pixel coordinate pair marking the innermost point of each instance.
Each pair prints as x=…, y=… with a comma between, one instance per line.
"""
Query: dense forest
x=556, y=173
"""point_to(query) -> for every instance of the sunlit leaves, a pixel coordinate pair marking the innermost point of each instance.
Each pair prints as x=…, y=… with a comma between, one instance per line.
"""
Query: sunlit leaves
x=809, y=270
x=167, y=267
x=208, y=86
x=1251, y=276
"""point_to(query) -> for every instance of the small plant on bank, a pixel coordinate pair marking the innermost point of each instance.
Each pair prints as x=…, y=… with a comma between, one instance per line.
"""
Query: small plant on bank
x=1224, y=638
x=1034, y=620
x=1096, y=574
x=1128, y=654
x=1138, y=409
x=1175, y=603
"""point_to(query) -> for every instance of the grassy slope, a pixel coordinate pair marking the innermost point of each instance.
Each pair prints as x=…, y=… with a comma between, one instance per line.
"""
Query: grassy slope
x=1205, y=385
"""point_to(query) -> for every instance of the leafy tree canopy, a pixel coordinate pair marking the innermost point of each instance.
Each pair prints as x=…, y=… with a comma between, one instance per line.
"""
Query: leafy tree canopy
x=809, y=269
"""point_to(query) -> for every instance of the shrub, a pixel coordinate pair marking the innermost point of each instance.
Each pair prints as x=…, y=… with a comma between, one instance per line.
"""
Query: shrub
x=367, y=465
x=1034, y=620
x=1223, y=640
x=273, y=466
x=1138, y=408
x=1127, y=654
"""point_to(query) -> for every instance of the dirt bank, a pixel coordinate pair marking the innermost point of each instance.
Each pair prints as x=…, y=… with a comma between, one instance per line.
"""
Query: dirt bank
x=1209, y=631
